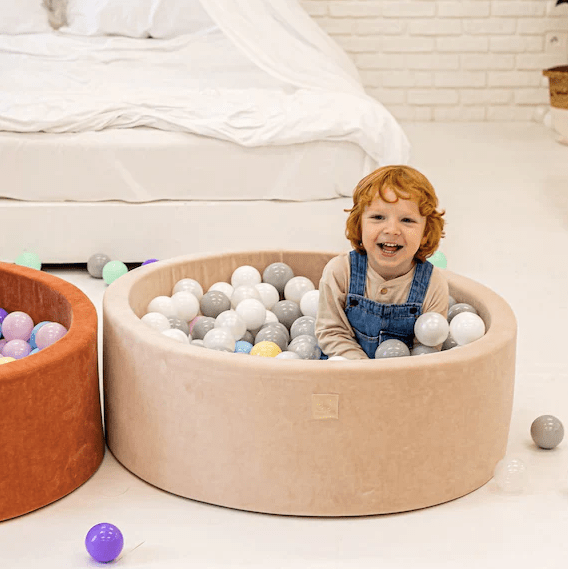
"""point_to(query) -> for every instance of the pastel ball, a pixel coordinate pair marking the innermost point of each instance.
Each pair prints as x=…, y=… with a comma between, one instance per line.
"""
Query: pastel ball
x=547, y=431
x=242, y=347
x=3, y=314
x=149, y=261
x=16, y=349
x=104, y=542
x=17, y=326
x=96, y=263
x=28, y=259
x=438, y=259
x=6, y=360
x=467, y=327
x=265, y=350
x=431, y=329
x=114, y=270
x=392, y=349
x=49, y=334
x=34, y=333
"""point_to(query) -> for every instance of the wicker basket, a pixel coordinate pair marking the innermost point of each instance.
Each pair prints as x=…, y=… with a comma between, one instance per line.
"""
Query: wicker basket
x=558, y=84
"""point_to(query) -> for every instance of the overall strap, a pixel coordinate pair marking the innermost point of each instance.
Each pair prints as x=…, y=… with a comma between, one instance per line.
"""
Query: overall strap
x=358, y=276
x=420, y=282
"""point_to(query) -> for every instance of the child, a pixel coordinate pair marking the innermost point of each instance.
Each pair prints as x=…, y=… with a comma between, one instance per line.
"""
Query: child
x=378, y=290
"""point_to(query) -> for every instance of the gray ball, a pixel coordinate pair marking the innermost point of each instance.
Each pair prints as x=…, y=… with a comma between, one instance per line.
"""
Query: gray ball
x=201, y=327
x=179, y=324
x=420, y=350
x=547, y=431
x=213, y=303
x=392, y=349
x=458, y=308
x=272, y=334
x=287, y=311
x=277, y=274
x=303, y=325
x=96, y=263
x=306, y=347
x=248, y=337
x=280, y=326
x=449, y=343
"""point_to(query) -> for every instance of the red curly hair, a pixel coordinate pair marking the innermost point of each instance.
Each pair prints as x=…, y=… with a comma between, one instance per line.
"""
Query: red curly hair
x=408, y=184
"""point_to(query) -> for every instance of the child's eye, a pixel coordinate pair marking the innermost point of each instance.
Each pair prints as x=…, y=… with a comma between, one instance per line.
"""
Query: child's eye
x=408, y=220
x=377, y=216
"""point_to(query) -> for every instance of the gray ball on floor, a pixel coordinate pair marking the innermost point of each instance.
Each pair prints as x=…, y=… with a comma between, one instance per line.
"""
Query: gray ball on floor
x=96, y=263
x=547, y=431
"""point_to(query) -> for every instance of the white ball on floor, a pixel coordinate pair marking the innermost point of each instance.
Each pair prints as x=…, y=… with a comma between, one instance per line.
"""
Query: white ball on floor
x=223, y=287
x=511, y=475
x=467, y=327
x=189, y=285
x=186, y=305
x=163, y=305
x=245, y=275
x=220, y=339
x=431, y=329
x=269, y=296
x=156, y=320
x=177, y=335
x=252, y=311
x=296, y=287
x=309, y=303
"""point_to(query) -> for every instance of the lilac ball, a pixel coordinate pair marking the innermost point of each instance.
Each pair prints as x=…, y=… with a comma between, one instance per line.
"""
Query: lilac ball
x=104, y=542
x=3, y=314
x=17, y=326
x=49, y=334
x=148, y=261
x=3, y=342
x=16, y=349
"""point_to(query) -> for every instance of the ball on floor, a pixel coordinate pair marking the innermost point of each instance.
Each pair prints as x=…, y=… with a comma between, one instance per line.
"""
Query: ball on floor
x=104, y=542
x=547, y=432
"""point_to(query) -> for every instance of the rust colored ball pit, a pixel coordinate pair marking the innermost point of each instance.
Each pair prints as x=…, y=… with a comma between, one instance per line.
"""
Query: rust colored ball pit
x=51, y=436
x=310, y=438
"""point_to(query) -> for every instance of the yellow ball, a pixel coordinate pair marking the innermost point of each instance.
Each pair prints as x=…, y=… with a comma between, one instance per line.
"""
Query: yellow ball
x=6, y=360
x=265, y=349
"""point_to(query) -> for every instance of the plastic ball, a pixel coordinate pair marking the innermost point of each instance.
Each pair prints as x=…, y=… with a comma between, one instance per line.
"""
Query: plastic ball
x=278, y=274
x=286, y=355
x=96, y=263
x=245, y=275
x=6, y=360
x=272, y=334
x=511, y=475
x=420, y=350
x=156, y=320
x=244, y=292
x=185, y=304
x=28, y=259
x=230, y=319
x=296, y=287
x=201, y=327
x=3, y=314
x=438, y=259
x=114, y=270
x=17, y=326
x=458, y=308
x=3, y=342
x=467, y=327
x=35, y=329
x=392, y=349
x=220, y=339
x=303, y=325
x=198, y=343
x=49, y=334
x=176, y=335
x=431, y=329
x=162, y=304
x=242, y=347
x=268, y=294
x=224, y=287
x=280, y=326
x=149, y=261
x=449, y=342
x=16, y=349
x=248, y=337
x=287, y=312
x=270, y=317
x=337, y=359
x=104, y=542
x=547, y=431
x=189, y=285
x=214, y=302
x=306, y=347
x=253, y=313
x=179, y=324
x=265, y=350
x=309, y=303
x=451, y=301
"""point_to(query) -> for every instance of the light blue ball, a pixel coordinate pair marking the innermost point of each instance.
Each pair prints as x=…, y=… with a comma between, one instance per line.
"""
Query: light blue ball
x=242, y=347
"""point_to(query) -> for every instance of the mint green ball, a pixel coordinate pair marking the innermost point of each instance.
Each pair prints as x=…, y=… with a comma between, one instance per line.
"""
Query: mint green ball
x=438, y=259
x=112, y=270
x=29, y=259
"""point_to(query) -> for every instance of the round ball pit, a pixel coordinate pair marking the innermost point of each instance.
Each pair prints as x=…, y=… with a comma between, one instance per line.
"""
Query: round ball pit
x=51, y=434
x=311, y=438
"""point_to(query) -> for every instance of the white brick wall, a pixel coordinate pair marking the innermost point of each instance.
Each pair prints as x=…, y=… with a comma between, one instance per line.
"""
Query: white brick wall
x=451, y=60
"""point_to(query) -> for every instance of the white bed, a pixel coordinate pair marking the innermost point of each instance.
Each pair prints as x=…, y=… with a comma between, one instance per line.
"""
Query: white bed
x=157, y=146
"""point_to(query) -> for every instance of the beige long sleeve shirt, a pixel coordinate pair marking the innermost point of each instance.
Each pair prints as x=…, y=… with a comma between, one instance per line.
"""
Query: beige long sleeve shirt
x=333, y=331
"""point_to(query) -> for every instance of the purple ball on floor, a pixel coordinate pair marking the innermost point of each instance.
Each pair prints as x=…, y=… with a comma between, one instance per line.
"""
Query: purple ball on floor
x=148, y=261
x=104, y=542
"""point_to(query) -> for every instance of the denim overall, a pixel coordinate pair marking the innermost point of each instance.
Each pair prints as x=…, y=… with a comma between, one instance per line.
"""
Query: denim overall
x=374, y=322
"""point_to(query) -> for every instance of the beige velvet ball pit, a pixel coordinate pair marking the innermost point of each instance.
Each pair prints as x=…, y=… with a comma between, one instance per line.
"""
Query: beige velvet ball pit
x=51, y=432
x=309, y=438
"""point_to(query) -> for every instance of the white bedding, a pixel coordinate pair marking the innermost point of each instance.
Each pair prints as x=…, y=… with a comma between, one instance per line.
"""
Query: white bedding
x=200, y=84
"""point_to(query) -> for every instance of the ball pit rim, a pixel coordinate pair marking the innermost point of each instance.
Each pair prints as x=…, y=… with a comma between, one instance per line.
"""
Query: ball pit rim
x=499, y=333
x=83, y=327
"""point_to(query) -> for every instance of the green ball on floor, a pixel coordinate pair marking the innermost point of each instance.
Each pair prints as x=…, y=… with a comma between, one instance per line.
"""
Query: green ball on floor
x=113, y=270
x=29, y=259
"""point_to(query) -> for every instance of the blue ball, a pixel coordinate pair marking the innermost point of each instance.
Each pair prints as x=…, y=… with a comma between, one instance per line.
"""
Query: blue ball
x=242, y=347
x=35, y=331
x=104, y=542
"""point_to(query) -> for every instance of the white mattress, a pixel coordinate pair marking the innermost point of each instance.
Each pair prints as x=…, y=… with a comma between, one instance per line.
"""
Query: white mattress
x=144, y=164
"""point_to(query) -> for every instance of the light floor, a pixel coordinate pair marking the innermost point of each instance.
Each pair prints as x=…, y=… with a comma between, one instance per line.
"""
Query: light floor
x=505, y=190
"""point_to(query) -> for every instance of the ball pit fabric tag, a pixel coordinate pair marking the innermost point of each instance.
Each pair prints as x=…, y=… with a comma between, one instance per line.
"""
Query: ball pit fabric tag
x=325, y=406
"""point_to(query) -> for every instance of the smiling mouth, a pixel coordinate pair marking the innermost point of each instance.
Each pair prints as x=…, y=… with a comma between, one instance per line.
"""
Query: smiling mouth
x=389, y=247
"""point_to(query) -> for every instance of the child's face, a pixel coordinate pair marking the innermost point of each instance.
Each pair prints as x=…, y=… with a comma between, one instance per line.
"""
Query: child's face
x=391, y=234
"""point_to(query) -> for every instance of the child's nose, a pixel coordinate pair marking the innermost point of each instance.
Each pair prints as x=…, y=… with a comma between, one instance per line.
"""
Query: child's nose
x=392, y=226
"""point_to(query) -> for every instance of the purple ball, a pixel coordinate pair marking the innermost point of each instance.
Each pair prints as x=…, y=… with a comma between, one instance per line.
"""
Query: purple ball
x=17, y=326
x=3, y=314
x=49, y=333
x=16, y=349
x=104, y=542
x=148, y=261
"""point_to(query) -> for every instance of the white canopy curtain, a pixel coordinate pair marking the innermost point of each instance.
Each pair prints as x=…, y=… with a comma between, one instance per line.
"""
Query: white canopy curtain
x=282, y=39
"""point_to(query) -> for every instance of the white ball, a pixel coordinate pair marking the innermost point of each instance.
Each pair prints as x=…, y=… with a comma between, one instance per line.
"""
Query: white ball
x=466, y=327
x=309, y=303
x=156, y=320
x=245, y=275
x=286, y=355
x=431, y=329
x=269, y=295
x=189, y=285
x=252, y=311
x=230, y=319
x=163, y=305
x=336, y=358
x=223, y=287
x=243, y=292
x=296, y=287
x=177, y=335
x=186, y=305
x=219, y=339
x=511, y=475
x=270, y=317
